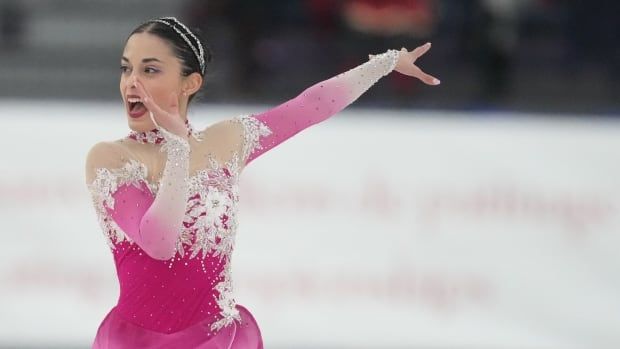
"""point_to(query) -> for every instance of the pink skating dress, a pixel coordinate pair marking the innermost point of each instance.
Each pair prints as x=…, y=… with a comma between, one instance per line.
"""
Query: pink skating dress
x=172, y=240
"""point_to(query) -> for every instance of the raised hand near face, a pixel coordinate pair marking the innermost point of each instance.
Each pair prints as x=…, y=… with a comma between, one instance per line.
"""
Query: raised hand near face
x=168, y=118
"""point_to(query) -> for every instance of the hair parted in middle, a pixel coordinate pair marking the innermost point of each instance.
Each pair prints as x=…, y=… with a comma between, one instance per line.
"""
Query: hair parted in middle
x=187, y=45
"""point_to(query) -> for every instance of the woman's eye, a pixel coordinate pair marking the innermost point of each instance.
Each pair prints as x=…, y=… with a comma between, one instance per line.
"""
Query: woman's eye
x=150, y=70
x=124, y=68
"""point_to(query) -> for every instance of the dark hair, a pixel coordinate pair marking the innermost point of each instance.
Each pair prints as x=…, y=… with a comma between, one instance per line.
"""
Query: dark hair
x=189, y=61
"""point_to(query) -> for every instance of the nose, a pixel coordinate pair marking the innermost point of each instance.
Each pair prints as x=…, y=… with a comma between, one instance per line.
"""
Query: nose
x=130, y=83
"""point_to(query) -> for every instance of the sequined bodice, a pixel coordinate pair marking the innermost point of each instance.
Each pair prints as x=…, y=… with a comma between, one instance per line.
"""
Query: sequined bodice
x=209, y=212
x=196, y=281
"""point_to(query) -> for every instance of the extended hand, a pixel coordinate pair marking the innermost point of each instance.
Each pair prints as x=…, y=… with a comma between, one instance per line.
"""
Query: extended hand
x=406, y=64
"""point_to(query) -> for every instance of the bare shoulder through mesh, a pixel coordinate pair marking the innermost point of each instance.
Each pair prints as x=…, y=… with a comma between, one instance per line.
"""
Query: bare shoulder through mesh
x=233, y=140
x=224, y=142
x=104, y=155
x=107, y=165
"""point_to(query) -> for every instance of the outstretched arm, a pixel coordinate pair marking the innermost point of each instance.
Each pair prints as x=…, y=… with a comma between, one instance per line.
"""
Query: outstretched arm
x=266, y=130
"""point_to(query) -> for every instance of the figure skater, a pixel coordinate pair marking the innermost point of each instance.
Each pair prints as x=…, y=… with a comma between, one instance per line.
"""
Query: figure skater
x=166, y=195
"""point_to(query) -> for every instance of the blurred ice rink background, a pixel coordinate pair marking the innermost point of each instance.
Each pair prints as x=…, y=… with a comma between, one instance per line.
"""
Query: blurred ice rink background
x=483, y=213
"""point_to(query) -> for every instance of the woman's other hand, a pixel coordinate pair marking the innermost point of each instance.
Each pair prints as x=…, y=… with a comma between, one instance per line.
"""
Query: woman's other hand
x=406, y=64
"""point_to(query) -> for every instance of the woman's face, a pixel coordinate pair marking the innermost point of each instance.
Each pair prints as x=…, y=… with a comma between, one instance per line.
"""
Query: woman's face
x=150, y=59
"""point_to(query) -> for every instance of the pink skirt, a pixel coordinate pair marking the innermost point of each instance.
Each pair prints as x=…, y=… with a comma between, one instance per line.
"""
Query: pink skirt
x=117, y=333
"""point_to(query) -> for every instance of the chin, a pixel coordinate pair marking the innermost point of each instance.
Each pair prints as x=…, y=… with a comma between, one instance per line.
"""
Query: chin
x=139, y=124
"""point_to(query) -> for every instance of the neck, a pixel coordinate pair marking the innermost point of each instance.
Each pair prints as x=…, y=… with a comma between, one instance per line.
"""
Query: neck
x=155, y=136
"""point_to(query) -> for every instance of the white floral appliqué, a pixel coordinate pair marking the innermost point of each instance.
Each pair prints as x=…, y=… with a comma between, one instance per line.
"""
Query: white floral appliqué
x=254, y=129
x=210, y=222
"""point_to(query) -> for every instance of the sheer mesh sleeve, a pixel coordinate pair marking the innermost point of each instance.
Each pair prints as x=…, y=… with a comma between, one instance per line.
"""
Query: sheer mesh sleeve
x=124, y=201
x=262, y=132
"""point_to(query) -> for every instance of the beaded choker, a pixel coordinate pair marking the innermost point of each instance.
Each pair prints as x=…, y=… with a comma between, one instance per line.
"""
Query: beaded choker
x=155, y=136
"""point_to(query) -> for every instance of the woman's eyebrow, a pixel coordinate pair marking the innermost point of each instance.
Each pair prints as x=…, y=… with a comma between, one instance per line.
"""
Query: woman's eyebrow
x=144, y=60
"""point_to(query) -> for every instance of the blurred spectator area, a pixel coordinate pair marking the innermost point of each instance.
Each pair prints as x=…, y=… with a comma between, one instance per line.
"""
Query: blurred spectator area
x=534, y=55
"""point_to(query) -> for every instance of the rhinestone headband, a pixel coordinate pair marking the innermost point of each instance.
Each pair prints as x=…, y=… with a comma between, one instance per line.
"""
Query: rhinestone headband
x=199, y=53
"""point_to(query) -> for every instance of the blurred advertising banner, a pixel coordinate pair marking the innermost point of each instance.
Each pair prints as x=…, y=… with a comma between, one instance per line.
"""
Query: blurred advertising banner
x=373, y=229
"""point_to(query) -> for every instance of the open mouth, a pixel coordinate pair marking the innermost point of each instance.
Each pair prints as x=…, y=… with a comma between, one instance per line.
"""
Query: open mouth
x=135, y=107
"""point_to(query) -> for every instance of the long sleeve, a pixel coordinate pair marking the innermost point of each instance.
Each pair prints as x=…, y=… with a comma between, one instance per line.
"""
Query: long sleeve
x=162, y=222
x=317, y=103
x=125, y=204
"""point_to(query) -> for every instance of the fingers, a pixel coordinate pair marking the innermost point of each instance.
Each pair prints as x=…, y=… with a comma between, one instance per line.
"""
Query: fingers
x=174, y=103
x=420, y=50
x=153, y=119
x=426, y=78
x=147, y=100
x=414, y=70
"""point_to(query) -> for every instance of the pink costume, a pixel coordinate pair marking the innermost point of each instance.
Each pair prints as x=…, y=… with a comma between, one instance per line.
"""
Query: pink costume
x=172, y=241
